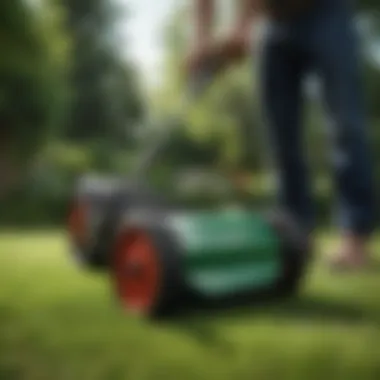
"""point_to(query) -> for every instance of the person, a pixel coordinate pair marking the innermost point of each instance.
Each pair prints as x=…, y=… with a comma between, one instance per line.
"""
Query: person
x=300, y=37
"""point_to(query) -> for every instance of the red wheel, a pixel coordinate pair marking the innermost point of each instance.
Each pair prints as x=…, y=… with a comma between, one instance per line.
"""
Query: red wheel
x=137, y=272
x=77, y=224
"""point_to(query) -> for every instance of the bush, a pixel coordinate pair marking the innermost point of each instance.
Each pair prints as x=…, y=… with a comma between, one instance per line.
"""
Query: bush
x=44, y=196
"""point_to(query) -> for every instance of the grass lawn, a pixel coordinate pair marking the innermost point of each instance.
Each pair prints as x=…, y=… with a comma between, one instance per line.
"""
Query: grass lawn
x=57, y=322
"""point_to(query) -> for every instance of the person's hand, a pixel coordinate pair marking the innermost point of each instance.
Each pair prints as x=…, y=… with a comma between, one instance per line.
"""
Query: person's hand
x=218, y=55
x=234, y=48
x=200, y=57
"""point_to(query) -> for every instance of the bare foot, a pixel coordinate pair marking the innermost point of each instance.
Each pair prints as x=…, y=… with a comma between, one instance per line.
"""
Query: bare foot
x=352, y=254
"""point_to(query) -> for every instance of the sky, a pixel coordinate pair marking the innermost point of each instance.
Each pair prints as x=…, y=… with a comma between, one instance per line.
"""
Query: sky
x=142, y=34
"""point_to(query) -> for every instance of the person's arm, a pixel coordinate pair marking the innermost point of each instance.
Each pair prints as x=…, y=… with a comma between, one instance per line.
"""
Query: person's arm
x=237, y=45
x=225, y=51
x=204, y=19
x=248, y=10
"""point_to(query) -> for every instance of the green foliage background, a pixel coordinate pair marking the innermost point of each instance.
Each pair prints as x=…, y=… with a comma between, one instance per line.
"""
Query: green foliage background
x=72, y=103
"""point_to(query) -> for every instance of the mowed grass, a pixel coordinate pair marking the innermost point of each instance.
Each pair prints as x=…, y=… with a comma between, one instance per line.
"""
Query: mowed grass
x=58, y=322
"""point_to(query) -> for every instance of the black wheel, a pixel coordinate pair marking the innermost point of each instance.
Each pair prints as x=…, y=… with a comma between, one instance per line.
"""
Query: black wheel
x=147, y=270
x=116, y=212
x=87, y=214
x=78, y=227
x=295, y=250
x=95, y=214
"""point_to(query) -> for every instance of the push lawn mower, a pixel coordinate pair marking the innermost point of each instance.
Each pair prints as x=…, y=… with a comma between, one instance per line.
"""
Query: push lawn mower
x=161, y=255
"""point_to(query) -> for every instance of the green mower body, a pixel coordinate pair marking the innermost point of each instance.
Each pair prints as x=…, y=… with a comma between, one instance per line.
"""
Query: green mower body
x=227, y=251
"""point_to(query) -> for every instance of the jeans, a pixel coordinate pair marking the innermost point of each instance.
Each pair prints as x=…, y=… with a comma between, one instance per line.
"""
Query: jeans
x=323, y=41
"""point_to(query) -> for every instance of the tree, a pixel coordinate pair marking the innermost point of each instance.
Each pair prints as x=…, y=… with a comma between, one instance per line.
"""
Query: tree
x=106, y=104
x=32, y=76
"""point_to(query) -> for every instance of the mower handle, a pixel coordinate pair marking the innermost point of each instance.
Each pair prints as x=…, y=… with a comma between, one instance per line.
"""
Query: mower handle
x=197, y=85
x=200, y=81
